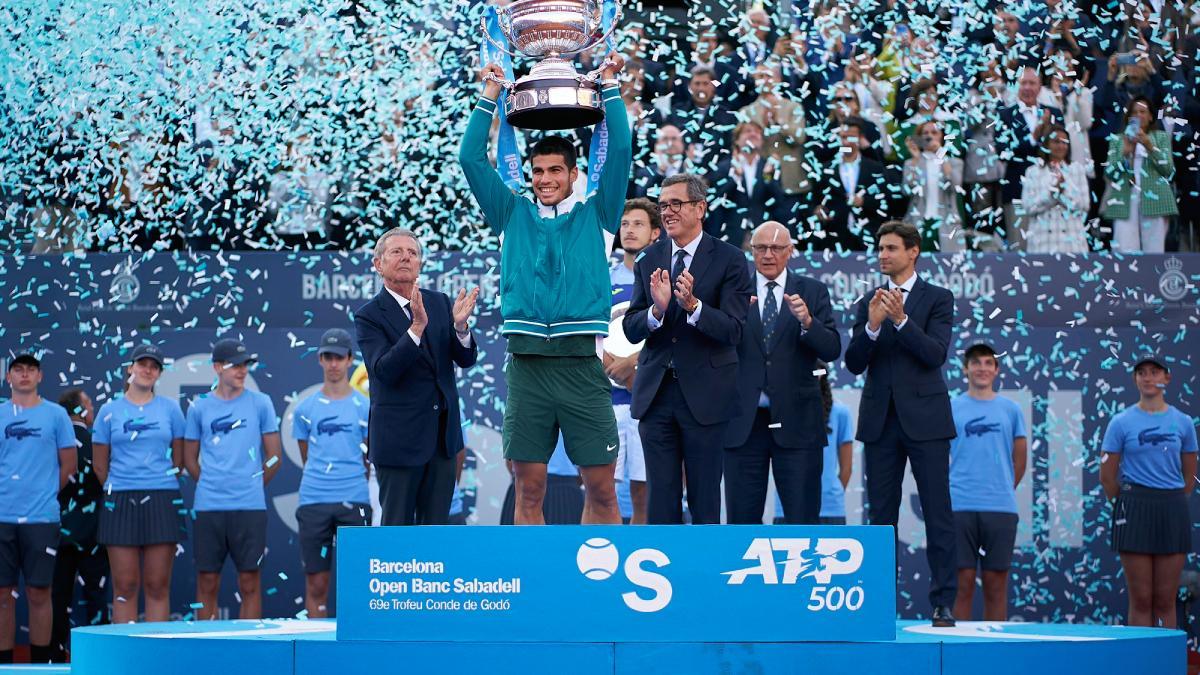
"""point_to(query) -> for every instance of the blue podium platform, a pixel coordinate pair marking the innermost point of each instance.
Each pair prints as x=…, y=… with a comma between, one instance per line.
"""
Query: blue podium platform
x=293, y=647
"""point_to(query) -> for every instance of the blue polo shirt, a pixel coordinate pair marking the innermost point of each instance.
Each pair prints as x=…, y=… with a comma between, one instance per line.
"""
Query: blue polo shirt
x=1150, y=445
x=139, y=439
x=336, y=432
x=30, y=439
x=833, y=496
x=981, y=465
x=231, y=455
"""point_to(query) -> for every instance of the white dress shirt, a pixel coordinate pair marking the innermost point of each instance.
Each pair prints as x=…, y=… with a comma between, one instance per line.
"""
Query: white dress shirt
x=1032, y=117
x=690, y=248
x=907, y=286
x=464, y=340
x=933, y=184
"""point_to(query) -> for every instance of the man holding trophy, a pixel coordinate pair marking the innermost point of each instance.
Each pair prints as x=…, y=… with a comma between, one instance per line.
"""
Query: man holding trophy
x=554, y=277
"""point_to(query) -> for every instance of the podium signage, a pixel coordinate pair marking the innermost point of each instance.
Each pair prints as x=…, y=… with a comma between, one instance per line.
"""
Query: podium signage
x=617, y=584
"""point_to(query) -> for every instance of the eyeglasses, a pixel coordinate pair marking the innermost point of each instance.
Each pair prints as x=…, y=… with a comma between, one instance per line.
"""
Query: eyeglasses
x=675, y=205
x=763, y=248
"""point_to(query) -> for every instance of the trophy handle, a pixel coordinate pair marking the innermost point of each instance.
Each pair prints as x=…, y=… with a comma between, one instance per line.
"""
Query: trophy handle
x=497, y=45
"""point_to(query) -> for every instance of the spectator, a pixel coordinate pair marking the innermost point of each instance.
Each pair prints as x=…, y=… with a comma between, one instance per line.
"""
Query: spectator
x=982, y=168
x=923, y=106
x=706, y=123
x=849, y=197
x=1073, y=97
x=1023, y=127
x=671, y=156
x=844, y=106
x=782, y=121
x=933, y=180
x=1139, y=197
x=299, y=199
x=747, y=189
x=1055, y=198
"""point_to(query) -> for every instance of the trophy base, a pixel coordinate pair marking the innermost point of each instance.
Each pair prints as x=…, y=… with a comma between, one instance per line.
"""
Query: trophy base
x=550, y=104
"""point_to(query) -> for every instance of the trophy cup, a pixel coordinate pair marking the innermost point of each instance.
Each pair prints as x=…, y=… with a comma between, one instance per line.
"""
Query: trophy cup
x=553, y=95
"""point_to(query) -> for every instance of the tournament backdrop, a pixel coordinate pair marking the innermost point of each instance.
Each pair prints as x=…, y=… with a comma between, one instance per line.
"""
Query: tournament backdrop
x=1066, y=325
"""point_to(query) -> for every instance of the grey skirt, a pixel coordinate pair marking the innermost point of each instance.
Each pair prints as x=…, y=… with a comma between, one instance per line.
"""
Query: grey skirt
x=1151, y=521
x=142, y=518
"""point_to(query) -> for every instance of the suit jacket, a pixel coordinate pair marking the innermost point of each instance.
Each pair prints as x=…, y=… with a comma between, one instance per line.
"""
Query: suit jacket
x=1012, y=138
x=705, y=355
x=709, y=131
x=784, y=369
x=411, y=386
x=830, y=194
x=905, y=366
x=736, y=212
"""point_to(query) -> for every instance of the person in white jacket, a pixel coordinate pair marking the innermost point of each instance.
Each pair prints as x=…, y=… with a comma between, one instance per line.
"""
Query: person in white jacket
x=933, y=180
x=1054, y=194
x=1072, y=95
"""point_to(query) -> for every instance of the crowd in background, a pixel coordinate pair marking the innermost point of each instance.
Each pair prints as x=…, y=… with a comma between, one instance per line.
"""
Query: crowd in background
x=1060, y=126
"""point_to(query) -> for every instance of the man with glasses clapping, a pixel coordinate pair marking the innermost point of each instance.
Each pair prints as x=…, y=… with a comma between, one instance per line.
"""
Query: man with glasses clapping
x=690, y=298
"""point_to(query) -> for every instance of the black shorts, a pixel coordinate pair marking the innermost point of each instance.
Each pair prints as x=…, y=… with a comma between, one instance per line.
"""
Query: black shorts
x=28, y=549
x=985, y=539
x=318, y=528
x=242, y=535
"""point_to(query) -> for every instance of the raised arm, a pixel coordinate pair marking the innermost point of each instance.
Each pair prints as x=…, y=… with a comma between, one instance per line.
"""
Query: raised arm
x=492, y=195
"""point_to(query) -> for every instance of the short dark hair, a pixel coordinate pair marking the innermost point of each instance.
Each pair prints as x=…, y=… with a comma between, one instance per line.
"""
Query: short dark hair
x=1056, y=129
x=857, y=122
x=555, y=145
x=907, y=233
x=697, y=186
x=651, y=209
x=72, y=400
x=981, y=349
x=1155, y=123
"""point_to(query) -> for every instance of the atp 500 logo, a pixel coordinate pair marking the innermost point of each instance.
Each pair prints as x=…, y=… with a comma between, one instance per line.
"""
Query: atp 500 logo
x=598, y=559
x=820, y=559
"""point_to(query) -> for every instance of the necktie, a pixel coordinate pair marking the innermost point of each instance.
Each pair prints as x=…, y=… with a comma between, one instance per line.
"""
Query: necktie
x=770, y=311
x=678, y=268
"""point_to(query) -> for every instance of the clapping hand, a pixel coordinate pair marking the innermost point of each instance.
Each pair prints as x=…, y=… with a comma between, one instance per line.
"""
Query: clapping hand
x=660, y=292
x=876, y=312
x=464, y=306
x=893, y=305
x=683, y=292
x=416, y=305
x=799, y=310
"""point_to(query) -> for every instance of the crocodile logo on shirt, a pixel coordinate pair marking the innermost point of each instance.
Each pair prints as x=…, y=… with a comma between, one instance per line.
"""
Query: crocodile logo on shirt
x=138, y=426
x=977, y=427
x=1152, y=436
x=18, y=430
x=222, y=425
x=331, y=426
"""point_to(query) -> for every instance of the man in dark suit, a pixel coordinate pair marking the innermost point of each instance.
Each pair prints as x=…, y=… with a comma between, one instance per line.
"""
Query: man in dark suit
x=1022, y=128
x=411, y=339
x=900, y=337
x=747, y=189
x=705, y=121
x=690, y=318
x=781, y=416
x=850, y=198
x=671, y=156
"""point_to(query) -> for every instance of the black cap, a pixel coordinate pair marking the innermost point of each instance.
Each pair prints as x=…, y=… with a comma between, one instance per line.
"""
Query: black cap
x=1151, y=358
x=979, y=348
x=336, y=341
x=25, y=358
x=147, y=351
x=232, y=352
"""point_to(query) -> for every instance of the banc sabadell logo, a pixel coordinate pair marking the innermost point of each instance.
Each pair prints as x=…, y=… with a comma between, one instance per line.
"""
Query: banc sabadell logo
x=804, y=558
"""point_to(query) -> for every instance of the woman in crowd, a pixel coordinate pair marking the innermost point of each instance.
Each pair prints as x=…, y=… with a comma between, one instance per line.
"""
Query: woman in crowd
x=138, y=454
x=1054, y=194
x=1148, y=469
x=933, y=181
x=1139, y=198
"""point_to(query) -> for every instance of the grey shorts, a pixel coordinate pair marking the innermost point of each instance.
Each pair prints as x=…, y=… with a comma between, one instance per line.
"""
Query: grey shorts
x=241, y=535
x=985, y=539
x=28, y=549
x=318, y=529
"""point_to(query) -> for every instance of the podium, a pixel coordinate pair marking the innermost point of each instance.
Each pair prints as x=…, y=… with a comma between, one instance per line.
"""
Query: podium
x=605, y=600
x=614, y=584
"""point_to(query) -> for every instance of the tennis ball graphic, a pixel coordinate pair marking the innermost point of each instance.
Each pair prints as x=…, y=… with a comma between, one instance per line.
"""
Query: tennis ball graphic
x=597, y=559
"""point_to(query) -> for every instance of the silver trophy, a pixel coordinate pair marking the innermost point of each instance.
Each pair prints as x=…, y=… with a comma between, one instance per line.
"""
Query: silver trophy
x=553, y=95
